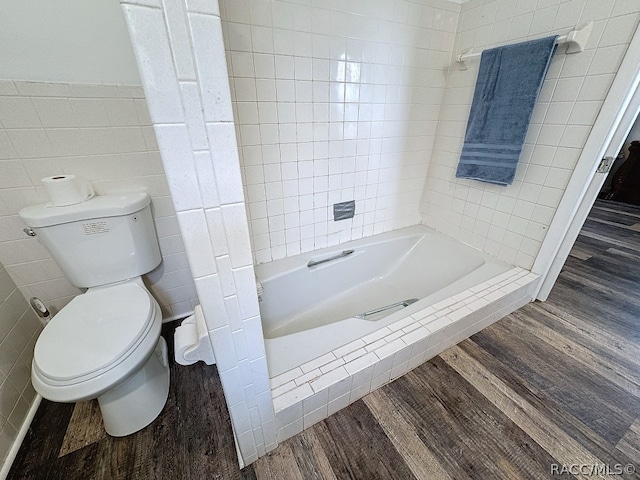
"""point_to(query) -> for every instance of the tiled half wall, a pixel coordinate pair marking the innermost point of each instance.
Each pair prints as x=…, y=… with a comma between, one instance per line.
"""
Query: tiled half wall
x=310, y=393
x=180, y=53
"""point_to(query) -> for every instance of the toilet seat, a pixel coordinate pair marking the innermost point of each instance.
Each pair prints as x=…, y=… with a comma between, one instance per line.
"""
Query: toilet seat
x=95, y=341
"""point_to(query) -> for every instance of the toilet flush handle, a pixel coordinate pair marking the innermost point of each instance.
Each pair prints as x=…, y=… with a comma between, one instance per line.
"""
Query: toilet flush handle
x=29, y=232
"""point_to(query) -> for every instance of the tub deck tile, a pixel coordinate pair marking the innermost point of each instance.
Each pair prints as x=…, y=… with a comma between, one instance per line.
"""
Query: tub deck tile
x=477, y=303
x=425, y=321
x=377, y=344
x=361, y=363
x=349, y=347
x=285, y=387
x=308, y=377
x=419, y=315
x=447, y=302
x=442, y=312
x=411, y=327
x=394, y=335
x=378, y=334
x=494, y=295
x=509, y=288
x=286, y=377
x=469, y=300
x=463, y=295
x=438, y=324
x=415, y=336
x=400, y=324
x=355, y=354
x=332, y=366
x=459, y=313
x=318, y=362
x=328, y=379
x=480, y=287
x=390, y=349
x=292, y=396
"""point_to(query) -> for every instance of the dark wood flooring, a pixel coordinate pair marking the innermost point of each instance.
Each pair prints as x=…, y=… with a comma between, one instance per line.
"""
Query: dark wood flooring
x=555, y=383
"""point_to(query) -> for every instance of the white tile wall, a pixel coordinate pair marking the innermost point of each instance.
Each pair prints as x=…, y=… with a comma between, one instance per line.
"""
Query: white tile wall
x=333, y=102
x=313, y=391
x=197, y=142
x=100, y=132
x=19, y=329
x=511, y=222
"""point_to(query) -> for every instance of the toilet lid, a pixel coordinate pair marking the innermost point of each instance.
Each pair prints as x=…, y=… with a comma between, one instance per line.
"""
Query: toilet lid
x=93, y=331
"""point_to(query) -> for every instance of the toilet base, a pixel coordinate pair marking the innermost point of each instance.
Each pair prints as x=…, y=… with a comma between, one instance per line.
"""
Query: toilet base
x=135, y=403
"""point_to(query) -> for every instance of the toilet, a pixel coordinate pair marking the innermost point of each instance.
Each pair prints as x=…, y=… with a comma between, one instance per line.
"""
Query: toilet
x=105, y=343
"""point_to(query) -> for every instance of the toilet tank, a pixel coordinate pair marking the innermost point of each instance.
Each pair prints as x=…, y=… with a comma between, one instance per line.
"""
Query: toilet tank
x=106, y=239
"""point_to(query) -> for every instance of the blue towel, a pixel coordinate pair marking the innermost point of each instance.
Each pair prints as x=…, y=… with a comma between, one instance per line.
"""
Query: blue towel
x=509, y=81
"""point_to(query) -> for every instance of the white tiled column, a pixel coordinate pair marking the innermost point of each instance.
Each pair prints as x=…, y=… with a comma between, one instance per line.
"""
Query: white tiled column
x=180, y=54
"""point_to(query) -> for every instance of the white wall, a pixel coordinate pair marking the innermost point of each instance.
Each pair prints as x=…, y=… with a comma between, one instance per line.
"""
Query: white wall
x=511, y=222
x=65, y=41
x=334, y=102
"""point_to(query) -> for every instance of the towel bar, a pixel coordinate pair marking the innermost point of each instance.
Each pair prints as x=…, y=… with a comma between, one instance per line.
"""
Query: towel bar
x=577, y=40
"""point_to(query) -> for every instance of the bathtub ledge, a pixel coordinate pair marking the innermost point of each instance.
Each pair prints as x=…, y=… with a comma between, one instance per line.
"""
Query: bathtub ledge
x=340, y=377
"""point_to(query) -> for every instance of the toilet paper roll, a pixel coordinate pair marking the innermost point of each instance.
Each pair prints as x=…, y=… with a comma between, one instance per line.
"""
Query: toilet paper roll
x=185, y=338
x=191, y=340
x=66, y=190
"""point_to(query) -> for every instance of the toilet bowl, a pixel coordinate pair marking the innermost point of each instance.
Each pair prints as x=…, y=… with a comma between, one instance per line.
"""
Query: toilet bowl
x=105, y=343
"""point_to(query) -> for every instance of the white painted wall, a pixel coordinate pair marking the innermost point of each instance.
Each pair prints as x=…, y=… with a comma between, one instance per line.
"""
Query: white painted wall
x=65, y=41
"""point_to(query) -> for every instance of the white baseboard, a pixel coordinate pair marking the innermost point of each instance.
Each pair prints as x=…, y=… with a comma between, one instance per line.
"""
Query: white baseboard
x=11, y=456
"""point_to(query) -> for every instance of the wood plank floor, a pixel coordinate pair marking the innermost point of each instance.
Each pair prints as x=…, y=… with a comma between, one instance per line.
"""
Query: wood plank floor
x=555, y=383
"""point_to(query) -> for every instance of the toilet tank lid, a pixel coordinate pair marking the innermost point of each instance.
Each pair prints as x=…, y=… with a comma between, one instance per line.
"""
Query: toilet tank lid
x=46, y=214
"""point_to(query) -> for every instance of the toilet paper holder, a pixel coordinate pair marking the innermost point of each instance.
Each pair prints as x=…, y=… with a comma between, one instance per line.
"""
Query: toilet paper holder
x=191, y=340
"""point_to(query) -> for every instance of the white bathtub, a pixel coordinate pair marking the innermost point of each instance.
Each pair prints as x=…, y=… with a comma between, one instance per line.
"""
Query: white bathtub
x=308, y=311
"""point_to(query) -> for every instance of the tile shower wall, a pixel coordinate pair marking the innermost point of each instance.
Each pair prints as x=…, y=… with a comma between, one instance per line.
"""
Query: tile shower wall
x=511, y=222
x=100, y=132
x=180, y=53
x=334, y=101
x=19, y=329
